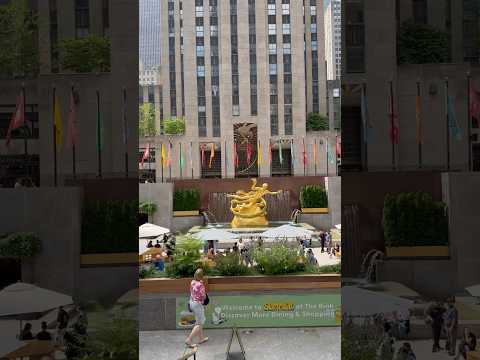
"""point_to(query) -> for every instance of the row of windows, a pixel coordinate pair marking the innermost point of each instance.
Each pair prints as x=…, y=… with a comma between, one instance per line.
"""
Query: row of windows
x=200, y=48
x=214, y=61
x=252, y=38
x=171, y=52
x=234, y=58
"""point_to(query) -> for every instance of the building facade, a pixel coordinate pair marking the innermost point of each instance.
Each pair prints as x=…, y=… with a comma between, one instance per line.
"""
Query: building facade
x=149, y=33
x=379, y=88
x=333, y=38
x=243, y=75
x=31, y=153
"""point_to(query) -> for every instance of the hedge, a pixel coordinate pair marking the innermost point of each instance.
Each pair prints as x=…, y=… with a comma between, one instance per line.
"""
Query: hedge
x=414, y=219
x=186, y=200
x=313, y=196
x=109, y=227
x=147, y=207
x=19, y=245
x=174, y=126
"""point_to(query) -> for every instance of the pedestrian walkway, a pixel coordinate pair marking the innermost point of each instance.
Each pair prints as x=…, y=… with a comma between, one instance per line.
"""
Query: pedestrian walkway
x=260, y=344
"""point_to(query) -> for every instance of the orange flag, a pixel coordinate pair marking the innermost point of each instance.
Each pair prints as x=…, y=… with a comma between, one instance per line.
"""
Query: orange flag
x=212, y=154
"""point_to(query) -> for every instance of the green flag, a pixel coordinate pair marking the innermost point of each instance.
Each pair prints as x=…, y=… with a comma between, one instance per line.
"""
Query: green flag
x=181, y=160
x=280, y=155
x=330, y=152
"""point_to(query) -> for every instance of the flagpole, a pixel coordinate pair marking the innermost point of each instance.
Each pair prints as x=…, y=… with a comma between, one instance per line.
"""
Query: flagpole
x=170, y=160
x=469, y=123
x=180, y=161
x=315, y=156
x=191, y=157
x=149, y=163
x=25, y=137
x=326, y=147
x=392, y=128
x=55, y=179
x=226, y=160
x=447, y=124
x=365, y=126
x=125, y=133
x=99, y=139
x=162, y=154
x=74, y=170
x=419, y=130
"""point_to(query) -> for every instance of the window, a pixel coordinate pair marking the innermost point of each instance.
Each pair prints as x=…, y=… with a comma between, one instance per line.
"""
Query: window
x=354, y=37
x=82, y=18
x=272, y=29
x=106, y=17
x=286, y=9
x=420, y=11
x=286, y=28
x=271, y=9
x=272, y=48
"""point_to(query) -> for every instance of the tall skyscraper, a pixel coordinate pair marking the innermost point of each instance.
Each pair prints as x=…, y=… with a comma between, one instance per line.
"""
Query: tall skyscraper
x=150, y=29
x=333, y=38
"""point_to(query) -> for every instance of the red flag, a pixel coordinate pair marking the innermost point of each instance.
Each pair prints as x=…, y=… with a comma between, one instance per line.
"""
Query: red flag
x=305, y=159
x=474, y=103
x=394, y=131
x=270, y=152
x=202, y=150
x=72, y=123
x=249, y=153
x=18, y=118
x=235, y=155
x=338, y=146
x=146, y=155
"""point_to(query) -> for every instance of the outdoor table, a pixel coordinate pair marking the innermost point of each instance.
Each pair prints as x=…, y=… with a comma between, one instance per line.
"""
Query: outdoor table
x=473, y=355
x=34, y=350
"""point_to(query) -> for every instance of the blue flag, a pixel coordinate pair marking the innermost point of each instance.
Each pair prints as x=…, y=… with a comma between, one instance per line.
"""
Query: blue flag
x=452, y=120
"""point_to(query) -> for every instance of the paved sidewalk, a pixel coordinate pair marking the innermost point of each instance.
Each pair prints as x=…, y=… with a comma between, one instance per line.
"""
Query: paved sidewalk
x=260, y=344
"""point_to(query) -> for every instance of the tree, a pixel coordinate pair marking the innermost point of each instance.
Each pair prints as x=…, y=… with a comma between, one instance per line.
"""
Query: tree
x=174, y=126
x=84, y=55
x=18, y=40
x=146, y=123
x=317, y=122
x=421, y=44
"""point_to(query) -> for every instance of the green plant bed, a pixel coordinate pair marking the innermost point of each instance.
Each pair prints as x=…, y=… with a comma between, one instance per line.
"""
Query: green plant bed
x=85, y=55
x=414, y=219
x=186, y=200
x=147, y=207
x=186, y=258
x=22, y=245
x=313, y=196
x=230, y=265
x=174, y=126
x=278, y=260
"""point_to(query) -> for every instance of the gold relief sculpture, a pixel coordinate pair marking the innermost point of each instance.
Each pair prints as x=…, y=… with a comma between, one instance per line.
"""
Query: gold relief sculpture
x=250, y=208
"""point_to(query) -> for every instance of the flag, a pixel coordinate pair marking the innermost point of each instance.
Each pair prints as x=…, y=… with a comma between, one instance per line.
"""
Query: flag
x=169, y=155
x=18, y=117
x=367, y=126
x=249, y=153
x=72, y=123
x=474, y=103
x=394, y=131
x=452, y=120
x=280, y=155
x=269, y=152
x=146, y=155
x=190, y=154
x=418, y=116
x=202, y=153
x=181, y=160
x=330, y=153
x=57, y=118
x=212, y=154
x=292, y=151
x=164, y=160
x=338, y=146
x=259, y=154
x=235, y=155
x=304, y=153
x=315, y=158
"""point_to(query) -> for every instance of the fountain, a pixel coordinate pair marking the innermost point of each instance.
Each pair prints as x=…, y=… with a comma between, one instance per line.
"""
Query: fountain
x=250, y=208
x=368, y=264
x=294, y=216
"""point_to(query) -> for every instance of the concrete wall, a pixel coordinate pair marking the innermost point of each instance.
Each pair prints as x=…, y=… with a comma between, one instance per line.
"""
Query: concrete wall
x=53, y=214
x=162, y=195
x=185, y=223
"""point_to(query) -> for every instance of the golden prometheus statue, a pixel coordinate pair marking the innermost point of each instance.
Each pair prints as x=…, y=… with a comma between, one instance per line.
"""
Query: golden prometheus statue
x=250, y=208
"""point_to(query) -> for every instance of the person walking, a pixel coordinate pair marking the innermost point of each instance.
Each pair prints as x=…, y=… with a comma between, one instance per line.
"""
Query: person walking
x=62, y=324
x=451, y=326
x=323, y=238
x=386, y=350
x=435, y=314
x=198, y=295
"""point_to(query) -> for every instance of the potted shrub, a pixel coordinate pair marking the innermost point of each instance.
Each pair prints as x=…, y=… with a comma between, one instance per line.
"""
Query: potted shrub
x=20, y=246
x=313, y=199
x=174, y=126
x=415, y=225
x=186, y=202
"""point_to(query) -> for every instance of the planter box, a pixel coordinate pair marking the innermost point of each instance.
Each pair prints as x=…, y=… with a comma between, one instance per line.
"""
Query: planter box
x=417, y=251
x=186, y=213
x=244, y=284
x=315, y=210
x=108, y=259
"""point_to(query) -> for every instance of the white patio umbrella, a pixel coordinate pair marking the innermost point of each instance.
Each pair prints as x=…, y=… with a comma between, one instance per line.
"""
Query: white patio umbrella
x=215, y=234
x=287, y=231
x=361, y=302
x=474, y=290
x=338, y=226
x=148, y=230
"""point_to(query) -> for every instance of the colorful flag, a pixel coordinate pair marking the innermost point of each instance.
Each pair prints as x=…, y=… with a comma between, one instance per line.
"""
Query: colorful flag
x=330, y=152
x=292, y=151
x=181, y=160
x=212, y=155
x=280, y=155
x=418, y=116
x=259, y=154
x=235, y=155
x=394, y=131
x=18, y=117
x=72, y=123
x=57, y=118
x=338, y=146
x=146, y=155
x=202, y=154
x=169, y=155
x=164, y=160
x=315, y=158
x=269, y=152
x=474, y=103
x=452, y=120
x=367, y=126
x=304, y=153
x=249, y=153
x=190, y=154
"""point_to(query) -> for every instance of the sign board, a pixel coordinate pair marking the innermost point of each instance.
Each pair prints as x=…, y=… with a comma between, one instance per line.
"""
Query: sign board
x=296, y=310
